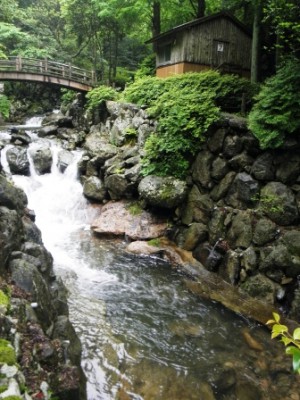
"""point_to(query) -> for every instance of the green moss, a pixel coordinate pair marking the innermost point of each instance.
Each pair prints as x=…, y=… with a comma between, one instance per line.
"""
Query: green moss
x=4, y=300
x=7, y=353
x=154, y=242
x=12, y=398
x=135, y=208
x=3, y=388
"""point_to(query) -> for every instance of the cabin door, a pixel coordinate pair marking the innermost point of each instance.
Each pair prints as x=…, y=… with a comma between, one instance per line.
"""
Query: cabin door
x=220, y=53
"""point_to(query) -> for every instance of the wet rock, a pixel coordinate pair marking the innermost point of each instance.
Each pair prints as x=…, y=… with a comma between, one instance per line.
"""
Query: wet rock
x=241, y=162
x=216, y=140
x=263, y=168
x=201, y=169
x=247, y=391
x=143, y=248
x=232, y=269
x=20, y=138
x=198, y=207
x=64, y=330
x=11, y=196
x=162, y=192
x=125, y=218
x=279, y=257
x=133, y=174
x=94, y=189
x=118, y=187
x=278, y=202
x=18, y=161
x=289, y=168
x=220, y=191
x=243, y=191
x=65, y=122
x=42, y=158
x=224, y=379
x=265, y=231
x=10, y=234
x=186, y=328
x=261, y=287
x=249, y=260
x=47, y=131
x=205, y=392
x=233, y=145
x=65, y=158
x=216, y=226
x=195, y=233
x=240, y=231
x=219, y=168
x=291, y=240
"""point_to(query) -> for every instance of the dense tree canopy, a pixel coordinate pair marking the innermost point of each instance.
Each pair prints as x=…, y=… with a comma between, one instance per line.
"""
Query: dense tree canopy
x=109, y=35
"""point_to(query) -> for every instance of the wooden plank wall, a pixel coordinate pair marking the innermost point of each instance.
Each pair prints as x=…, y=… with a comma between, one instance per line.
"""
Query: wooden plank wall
x=195, y=45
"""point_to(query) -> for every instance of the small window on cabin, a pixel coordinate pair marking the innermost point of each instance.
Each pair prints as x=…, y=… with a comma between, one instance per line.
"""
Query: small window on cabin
x=220, y=47
x=164, y=53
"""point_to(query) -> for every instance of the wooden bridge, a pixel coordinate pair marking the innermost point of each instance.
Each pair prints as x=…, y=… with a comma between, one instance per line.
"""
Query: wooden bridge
x=48, y=72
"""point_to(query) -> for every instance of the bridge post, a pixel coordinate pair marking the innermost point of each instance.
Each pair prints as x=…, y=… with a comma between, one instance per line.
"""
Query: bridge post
x=46, y=64
x=18, y=63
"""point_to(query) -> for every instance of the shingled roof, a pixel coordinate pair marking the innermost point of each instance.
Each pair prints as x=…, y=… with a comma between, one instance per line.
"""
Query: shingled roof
x=199, y=21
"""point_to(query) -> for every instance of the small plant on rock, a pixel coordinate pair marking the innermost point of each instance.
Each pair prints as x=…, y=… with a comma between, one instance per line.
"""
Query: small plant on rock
x=291, y=341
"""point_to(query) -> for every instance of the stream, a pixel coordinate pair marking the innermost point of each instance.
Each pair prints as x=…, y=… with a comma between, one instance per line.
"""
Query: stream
x=144, y=335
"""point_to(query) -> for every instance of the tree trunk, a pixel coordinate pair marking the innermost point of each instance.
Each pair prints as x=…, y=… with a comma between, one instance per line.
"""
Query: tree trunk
x=256, y=42
x=156, y=18
x=201, y=8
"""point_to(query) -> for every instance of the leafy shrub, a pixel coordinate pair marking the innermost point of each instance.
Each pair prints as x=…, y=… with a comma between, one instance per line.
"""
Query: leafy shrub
x=4, y=106
x=277, y=111
x=99, y=95
x=183, y=118
x=291, y=341
x=228, y=89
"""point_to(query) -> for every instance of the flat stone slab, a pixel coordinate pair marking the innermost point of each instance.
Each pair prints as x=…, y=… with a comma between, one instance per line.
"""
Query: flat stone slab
x=124, y=218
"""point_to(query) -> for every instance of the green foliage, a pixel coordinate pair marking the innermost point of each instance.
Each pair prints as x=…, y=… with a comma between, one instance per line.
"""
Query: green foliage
x=135, y=208
x=3, y=388
x=12, y=398
x=147, y=67
x=67, y=96
x=228, y=89
x=291, y=341
x=277, y=111
x=99, y=95
x=185, y=106
x=156, y=242
x=4, y=300
x=7, y=353
x=269, y=203
x=4, y=106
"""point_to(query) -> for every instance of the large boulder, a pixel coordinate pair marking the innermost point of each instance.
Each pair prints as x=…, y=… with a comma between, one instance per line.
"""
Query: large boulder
x=10, y=234
x=129, y=219
x=11, y=196
x=94, y=189
x=162, y=192
x=278, y=202
x=42, y=158
x=65, y=158
x=18, y=160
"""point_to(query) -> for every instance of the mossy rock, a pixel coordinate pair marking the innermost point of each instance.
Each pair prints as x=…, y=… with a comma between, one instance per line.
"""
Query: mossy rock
x=4, y=302
x=7, y=353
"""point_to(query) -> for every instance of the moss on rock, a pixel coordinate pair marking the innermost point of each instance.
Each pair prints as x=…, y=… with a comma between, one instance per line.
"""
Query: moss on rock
x=7, y=353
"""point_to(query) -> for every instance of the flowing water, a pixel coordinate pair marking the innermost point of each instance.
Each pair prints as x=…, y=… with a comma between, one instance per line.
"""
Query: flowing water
x=144, y=335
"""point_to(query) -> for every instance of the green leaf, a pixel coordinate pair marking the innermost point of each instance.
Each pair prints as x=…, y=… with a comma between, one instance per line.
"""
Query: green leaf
x=296, y=357
x=296, y=334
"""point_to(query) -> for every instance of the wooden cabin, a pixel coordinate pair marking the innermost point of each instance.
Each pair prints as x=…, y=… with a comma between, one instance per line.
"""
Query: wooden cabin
x=218, y=41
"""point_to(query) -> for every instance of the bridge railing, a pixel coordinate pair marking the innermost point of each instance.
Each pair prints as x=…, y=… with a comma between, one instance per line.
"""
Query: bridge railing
x=48, y=67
